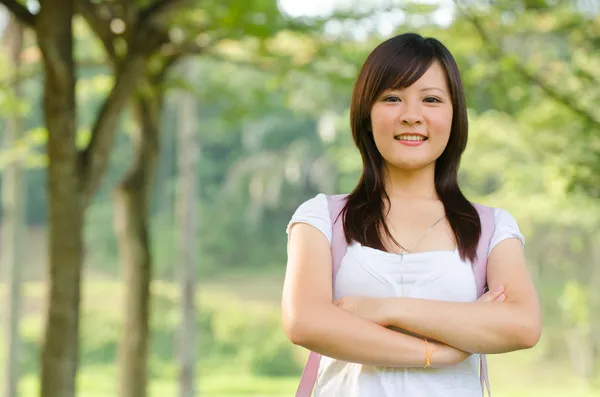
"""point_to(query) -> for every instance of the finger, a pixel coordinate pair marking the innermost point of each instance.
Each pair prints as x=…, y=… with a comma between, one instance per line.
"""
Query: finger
x=501, y=298
x=497, y=290
x=494, y=293
x=490, y=296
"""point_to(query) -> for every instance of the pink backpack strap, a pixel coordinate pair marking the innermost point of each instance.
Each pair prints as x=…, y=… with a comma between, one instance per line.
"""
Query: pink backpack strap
x=339, y=246
x=309, y=375
x=338, y=250
x=486, y=216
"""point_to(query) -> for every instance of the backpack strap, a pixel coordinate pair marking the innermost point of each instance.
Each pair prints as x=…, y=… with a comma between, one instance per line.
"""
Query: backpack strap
x=486, y=216
x=338, y=250
x=339, y=246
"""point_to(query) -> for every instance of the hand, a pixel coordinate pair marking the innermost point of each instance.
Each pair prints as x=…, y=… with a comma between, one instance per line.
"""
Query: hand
x=370, y=309
x=492, y=296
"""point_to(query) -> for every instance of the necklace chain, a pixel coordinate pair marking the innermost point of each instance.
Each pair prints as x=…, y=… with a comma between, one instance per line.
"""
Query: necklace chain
x=405, y=251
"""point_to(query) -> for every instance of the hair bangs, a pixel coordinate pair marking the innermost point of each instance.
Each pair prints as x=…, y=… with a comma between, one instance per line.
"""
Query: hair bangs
x=406, y=65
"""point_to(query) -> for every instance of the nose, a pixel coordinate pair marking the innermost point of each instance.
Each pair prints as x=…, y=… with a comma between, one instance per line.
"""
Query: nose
x=411, y=116
x=411, y=119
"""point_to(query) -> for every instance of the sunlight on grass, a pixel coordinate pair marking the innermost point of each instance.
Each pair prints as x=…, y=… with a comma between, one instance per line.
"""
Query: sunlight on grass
x=101, y=382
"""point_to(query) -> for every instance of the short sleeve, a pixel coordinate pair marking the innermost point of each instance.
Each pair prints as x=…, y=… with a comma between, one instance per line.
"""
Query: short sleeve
x=314, y=212
x=505, y=227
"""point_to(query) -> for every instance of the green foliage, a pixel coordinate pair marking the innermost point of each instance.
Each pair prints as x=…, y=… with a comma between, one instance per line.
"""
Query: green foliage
x=99, y=233
x=273, y=357
x=102, y=331
x=575, y=304
x=231, y=333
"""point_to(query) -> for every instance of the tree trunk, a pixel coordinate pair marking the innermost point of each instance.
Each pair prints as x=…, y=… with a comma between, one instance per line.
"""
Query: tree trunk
x=188, y=152
x=59, y=351
x=13, y=221
x=131, y=225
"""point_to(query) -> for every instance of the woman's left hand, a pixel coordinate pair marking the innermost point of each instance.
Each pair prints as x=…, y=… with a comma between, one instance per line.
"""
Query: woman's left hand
x=371, y=309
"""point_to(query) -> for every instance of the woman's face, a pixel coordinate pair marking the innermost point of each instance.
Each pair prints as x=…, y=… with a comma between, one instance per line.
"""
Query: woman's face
x=411, y=126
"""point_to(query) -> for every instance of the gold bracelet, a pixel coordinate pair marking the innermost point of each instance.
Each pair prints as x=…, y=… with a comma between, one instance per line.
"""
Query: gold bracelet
x=428, y=354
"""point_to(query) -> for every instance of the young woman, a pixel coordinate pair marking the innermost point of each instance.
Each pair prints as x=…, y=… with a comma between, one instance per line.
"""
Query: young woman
x=403, y=317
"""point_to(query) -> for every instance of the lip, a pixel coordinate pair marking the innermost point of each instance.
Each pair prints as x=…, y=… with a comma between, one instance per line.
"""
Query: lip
x=410, y=143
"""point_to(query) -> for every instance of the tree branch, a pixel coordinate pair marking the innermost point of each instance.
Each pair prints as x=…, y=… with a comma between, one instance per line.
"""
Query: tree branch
x=550, y=90
x=94, y=158
x=586, y=75
x=173, y=52
x=158, y=9
x=35, y=70
x=168, y=64
x=21, y=12
x=99, y=26
x=146, y=39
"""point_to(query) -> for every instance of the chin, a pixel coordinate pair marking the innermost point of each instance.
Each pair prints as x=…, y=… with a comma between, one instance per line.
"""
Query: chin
x=419, y=167
x=411, y=166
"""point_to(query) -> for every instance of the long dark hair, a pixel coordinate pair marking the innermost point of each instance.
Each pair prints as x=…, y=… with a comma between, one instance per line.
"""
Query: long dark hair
x=398, y=63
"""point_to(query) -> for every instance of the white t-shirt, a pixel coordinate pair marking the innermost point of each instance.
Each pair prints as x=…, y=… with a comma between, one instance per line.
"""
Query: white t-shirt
x=365, y=271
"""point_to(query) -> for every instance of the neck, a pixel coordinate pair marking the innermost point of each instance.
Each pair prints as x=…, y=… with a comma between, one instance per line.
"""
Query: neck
x=418, y=184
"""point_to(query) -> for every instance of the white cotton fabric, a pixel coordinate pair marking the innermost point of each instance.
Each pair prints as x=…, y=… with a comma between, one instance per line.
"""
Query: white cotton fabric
x=439, y=275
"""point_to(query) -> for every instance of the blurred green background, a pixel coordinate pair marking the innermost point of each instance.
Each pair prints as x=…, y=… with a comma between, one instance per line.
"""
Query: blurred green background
x=259, y=92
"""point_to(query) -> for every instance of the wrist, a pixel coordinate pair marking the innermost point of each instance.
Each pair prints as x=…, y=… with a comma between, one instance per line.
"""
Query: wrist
x=436, y=356
x=441, y=357
x=446, y=356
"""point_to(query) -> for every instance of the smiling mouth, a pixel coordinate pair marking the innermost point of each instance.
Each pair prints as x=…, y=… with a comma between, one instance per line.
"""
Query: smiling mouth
x=410, y=137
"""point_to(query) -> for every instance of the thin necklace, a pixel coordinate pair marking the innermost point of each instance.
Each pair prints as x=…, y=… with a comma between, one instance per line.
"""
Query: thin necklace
x=406, y=251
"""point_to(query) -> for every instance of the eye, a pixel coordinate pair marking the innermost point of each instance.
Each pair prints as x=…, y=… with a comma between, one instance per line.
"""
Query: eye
x=391, y=99
x=432, y=99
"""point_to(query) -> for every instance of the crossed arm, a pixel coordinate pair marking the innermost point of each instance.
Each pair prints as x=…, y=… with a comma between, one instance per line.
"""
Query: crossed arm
x=354, y=328
x=478, y=327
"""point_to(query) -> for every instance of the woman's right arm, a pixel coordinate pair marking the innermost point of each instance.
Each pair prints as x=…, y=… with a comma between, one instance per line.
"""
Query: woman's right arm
x=311, y=320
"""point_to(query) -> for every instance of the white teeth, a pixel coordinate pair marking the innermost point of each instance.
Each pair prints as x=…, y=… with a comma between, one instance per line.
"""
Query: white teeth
x=410, y=138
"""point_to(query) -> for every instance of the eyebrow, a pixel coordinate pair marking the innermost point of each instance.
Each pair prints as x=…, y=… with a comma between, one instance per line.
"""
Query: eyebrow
x=433, y=88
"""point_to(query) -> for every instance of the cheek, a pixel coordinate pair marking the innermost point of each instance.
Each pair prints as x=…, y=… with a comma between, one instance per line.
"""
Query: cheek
x=383, y=116
x=442, y=122
x=381, y=136
x=439, y=128
x=383, y=124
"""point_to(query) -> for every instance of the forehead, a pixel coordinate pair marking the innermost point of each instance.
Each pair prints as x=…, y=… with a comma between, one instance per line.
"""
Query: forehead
x=435, y=76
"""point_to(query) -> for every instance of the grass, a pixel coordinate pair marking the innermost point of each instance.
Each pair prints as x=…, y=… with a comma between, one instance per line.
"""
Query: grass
x=98, y=382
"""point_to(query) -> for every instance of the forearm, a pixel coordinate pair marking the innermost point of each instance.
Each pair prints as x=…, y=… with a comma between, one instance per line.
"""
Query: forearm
x=332, y=332
x=476, y=327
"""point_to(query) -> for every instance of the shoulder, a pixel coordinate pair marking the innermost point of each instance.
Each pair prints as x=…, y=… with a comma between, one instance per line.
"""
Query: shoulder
x=314, y=212
x=503, y=218
x=505, y=226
